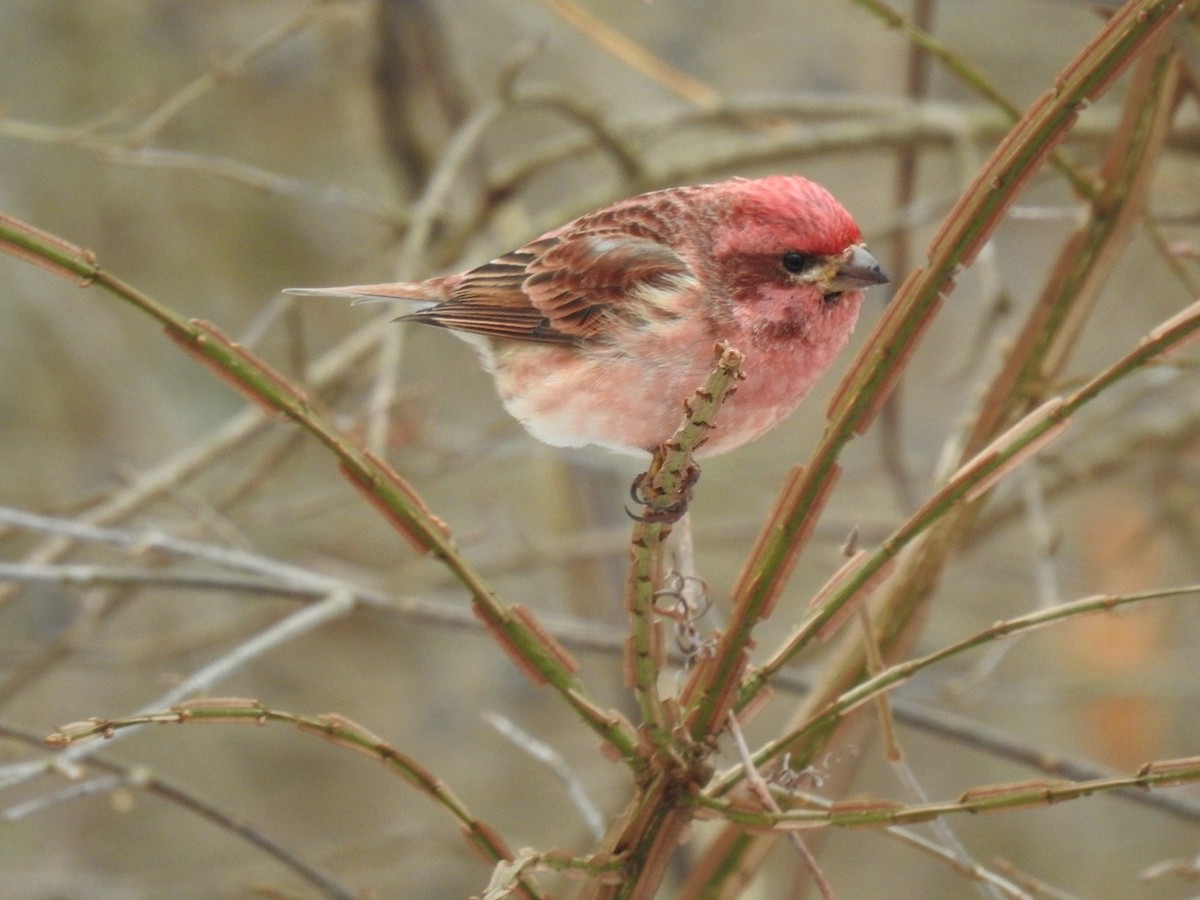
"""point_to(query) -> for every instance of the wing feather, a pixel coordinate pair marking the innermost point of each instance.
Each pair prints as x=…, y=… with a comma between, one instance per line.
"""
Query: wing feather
x=562, y=288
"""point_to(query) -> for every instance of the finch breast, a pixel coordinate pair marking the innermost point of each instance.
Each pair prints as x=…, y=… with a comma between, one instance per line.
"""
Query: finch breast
x=628, y=397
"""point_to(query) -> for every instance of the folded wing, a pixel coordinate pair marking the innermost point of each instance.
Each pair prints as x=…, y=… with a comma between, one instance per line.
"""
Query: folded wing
x=563, y=288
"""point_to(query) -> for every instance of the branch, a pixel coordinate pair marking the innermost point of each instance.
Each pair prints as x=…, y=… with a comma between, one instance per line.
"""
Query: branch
x=909, y=315
x=514, y=628
x=333, y=728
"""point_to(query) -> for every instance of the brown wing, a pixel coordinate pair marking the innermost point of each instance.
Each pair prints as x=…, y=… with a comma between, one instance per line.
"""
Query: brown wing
x=561, y=288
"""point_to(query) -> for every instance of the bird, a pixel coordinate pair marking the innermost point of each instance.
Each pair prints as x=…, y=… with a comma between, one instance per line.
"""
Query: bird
x=598, y=330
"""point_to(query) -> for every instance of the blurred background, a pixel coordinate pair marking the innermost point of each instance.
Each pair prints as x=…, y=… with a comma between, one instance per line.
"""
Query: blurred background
x=214, y=153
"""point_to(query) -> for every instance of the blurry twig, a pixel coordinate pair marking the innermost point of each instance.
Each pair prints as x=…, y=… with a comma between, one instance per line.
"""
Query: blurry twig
x=514, y=628
x=464, y=143
x=145, y=541
x=967, y=73
x=129, y=149
x=187, y=463
x=425, y=214
x=608, y=139
x=544, y=753
x=222, y=70
x=887, y=679
x=93, y=575
x=142, y=779
x=633, y=54
x=894, y=754
x=1045, y=575
x=760, y=789
x=419, y=98
x=883, y=357
x=75, y=791
x=891, y=424
x=232, y=170
x=333, y=728
x=335, y=605
x=974, y=479
x=580, y=635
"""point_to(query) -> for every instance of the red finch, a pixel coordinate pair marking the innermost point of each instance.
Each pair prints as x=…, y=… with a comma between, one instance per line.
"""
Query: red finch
x=598, y=330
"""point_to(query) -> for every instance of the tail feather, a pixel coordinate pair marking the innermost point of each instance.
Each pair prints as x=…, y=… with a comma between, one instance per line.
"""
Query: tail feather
x=415, y=291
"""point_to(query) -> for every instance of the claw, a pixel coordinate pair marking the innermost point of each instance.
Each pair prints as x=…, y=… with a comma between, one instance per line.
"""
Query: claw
x=665, y=515
x=650, y=497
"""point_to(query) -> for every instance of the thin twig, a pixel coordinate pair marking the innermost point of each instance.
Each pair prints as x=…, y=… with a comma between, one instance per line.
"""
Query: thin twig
x=514, y=628
x=1045, y=576
x=225, y=168
x=143, y=779
x=334, y=728
x=758, y=786
x=632, y=54
x=544, y=753
x=179, y=468
x=985, y=798
x=869, y=688
x=595, y=637
x=222, y=70
x=299, y=623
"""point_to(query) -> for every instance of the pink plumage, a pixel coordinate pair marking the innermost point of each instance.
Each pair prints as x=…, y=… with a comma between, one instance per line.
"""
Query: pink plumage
x=596, y=331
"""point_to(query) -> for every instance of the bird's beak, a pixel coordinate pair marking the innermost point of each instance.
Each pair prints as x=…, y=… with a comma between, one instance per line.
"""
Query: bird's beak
x=858, y=269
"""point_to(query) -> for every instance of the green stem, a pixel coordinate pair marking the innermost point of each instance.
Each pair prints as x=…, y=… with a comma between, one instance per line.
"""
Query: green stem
x=530, y=647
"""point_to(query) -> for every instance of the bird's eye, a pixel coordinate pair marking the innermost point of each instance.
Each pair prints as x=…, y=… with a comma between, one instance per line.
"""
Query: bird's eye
x=796, y=262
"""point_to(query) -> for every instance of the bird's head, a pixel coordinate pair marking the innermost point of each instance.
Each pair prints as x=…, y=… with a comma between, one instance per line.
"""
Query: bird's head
x=791, y=258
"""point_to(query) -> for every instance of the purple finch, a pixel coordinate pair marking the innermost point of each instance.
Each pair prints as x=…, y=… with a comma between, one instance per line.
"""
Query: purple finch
x=598, y=330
